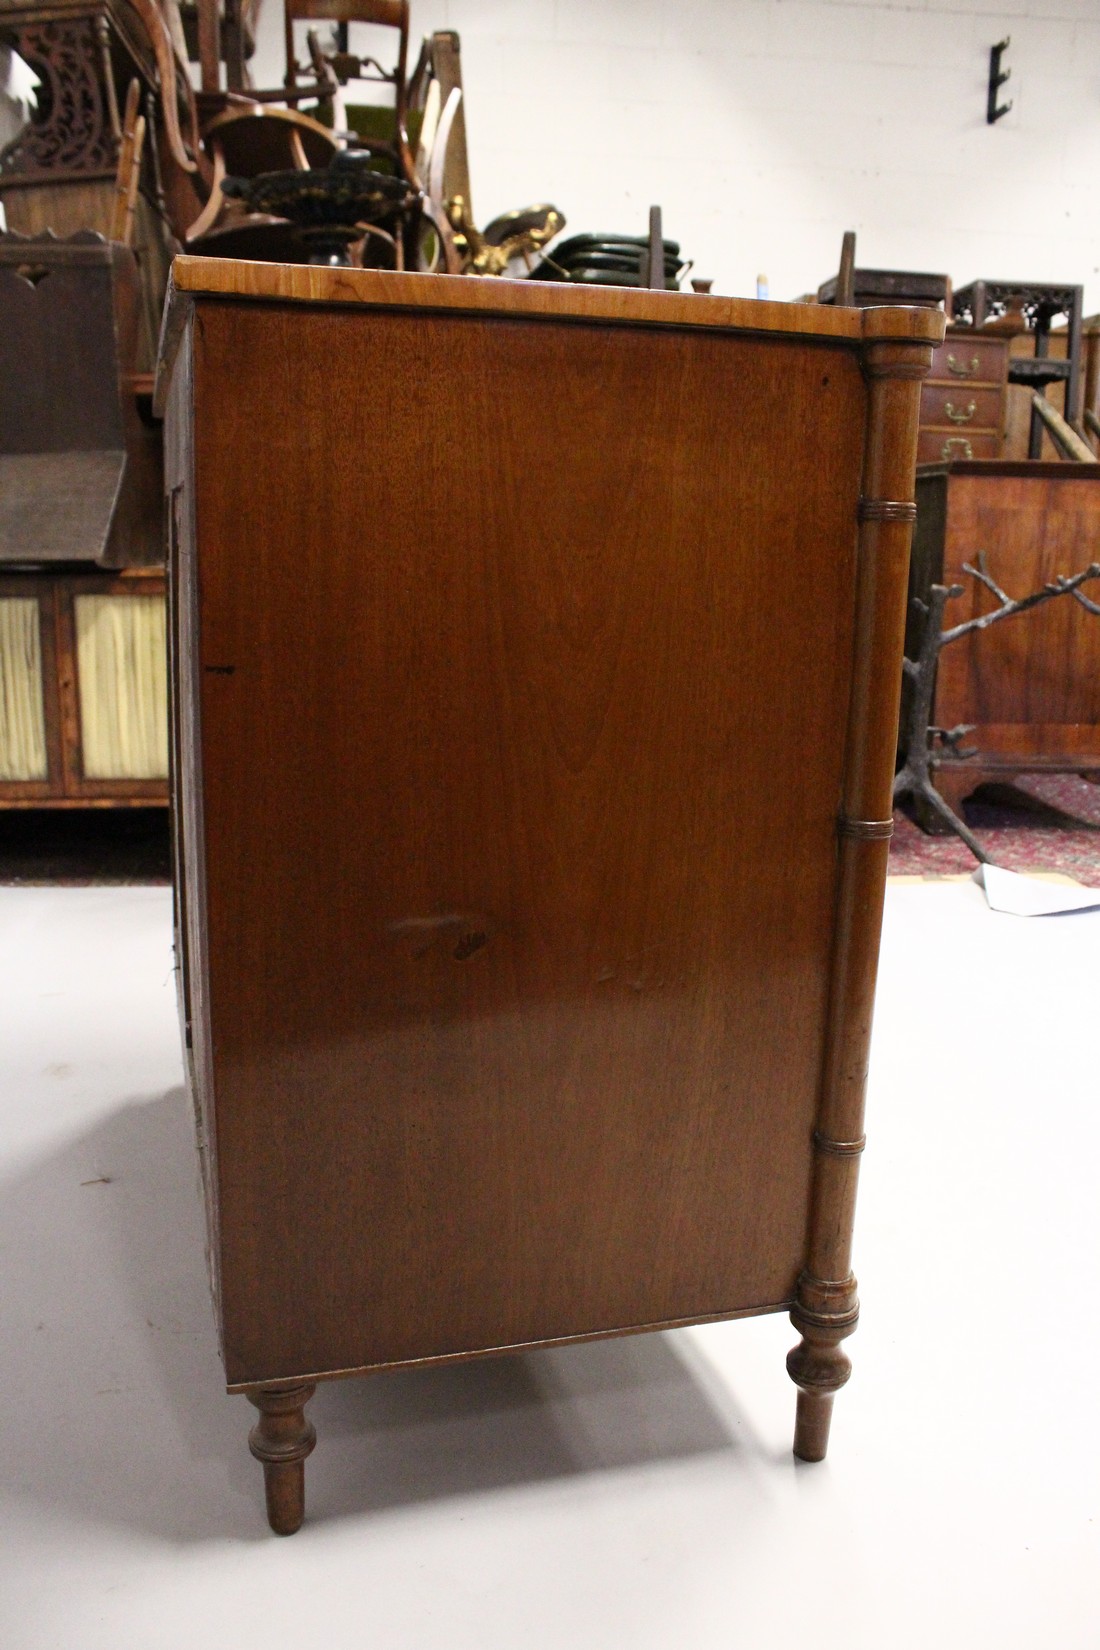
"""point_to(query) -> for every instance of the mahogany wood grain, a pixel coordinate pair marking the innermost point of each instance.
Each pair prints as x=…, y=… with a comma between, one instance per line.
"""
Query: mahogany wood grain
x=525, y=839
x=454, y=293
x=528, y=991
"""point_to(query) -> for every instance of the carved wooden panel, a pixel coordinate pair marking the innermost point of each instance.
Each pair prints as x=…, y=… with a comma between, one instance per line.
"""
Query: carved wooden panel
x=72, y=130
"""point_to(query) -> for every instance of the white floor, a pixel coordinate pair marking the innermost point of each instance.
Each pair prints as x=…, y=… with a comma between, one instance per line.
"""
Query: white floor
x=635, y=1493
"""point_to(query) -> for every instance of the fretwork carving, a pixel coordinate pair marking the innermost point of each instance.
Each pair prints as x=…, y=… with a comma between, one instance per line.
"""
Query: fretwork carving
x=71, y=129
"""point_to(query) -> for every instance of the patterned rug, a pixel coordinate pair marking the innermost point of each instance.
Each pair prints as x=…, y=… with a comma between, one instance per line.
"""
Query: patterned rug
x=1042, y=822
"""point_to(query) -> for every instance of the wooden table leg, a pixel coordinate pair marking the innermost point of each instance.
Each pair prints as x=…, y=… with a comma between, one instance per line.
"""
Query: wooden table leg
x=281, y=1439
x=818, y=1365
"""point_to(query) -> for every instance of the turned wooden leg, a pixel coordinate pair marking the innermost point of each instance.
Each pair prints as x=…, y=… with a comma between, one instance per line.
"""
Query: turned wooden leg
x=281, y=1439
x=824, y=1314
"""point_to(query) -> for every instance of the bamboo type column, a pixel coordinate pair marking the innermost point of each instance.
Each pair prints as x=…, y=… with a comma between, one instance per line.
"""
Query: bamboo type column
x=827, y=1305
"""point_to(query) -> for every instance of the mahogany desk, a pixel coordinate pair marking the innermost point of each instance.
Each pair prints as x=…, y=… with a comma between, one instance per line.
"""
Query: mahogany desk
x=536, y=685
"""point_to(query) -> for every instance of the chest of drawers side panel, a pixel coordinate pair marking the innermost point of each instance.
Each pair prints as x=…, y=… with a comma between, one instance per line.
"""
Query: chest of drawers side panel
x=188, y=845
x=520, y=921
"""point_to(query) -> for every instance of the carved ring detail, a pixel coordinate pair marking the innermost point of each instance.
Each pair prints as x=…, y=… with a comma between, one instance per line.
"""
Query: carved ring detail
x=839, y=1148
x=887, y=509
x=865, y=830
x=826, y=1304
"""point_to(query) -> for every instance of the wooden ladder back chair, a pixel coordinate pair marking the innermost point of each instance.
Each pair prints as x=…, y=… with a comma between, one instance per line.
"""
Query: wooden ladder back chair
x=391, y=14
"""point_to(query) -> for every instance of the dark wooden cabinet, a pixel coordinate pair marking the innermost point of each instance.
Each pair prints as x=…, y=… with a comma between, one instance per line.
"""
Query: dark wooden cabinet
x=533, y=825
x=1029, y=688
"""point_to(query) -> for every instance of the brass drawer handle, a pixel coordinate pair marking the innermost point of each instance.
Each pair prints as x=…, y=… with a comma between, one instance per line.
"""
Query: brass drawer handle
x=957, y=417
x=960, y=368
x=954, y=441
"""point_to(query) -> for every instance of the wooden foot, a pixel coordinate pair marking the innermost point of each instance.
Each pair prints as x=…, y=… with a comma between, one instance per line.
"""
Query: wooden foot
x=281, y=1439
x=813, y=1416
x=824, y=1314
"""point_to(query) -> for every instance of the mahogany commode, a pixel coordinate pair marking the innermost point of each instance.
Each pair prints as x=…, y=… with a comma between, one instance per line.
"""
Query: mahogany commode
x=536, y=663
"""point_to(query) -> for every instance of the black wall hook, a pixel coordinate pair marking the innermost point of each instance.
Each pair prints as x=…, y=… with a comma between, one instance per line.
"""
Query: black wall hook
x=993, y=112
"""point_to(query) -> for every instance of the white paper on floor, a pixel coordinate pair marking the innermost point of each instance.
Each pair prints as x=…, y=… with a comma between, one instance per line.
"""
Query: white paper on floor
x=1022, y=896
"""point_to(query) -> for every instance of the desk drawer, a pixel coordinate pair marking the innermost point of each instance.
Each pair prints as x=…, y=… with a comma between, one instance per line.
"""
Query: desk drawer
x=977, y=360
x=935, y=446
x=956, y=406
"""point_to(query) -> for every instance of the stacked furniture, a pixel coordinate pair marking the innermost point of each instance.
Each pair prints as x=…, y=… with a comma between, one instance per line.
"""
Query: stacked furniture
x=609, y=260
x=83, y=674
x=532, y=849
x=1025, y=692
x=866, y=288
x=1038, y=304
x=963, y=403
x=59, y=174
x=91, y=185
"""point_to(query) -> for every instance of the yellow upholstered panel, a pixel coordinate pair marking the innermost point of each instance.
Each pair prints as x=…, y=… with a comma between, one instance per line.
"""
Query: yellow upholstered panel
x=22, y=717
x=123, y=680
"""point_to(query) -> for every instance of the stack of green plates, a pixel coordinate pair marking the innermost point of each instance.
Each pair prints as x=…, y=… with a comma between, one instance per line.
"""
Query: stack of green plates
x=606, y=260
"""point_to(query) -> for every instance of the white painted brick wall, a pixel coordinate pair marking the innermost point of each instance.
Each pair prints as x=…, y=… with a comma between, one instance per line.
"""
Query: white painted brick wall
x=767, y=127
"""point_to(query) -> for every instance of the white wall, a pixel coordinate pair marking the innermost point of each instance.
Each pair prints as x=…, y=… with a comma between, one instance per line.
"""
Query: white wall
x=767, y=127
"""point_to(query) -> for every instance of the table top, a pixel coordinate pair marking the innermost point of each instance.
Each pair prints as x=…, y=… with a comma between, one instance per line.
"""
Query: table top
x=308, y=284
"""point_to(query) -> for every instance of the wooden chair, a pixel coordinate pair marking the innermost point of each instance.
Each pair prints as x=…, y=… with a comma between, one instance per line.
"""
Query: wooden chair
x=460, y=246
x=243, y=142
x=393, y=14
x=213, y=32
x=128, y=172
